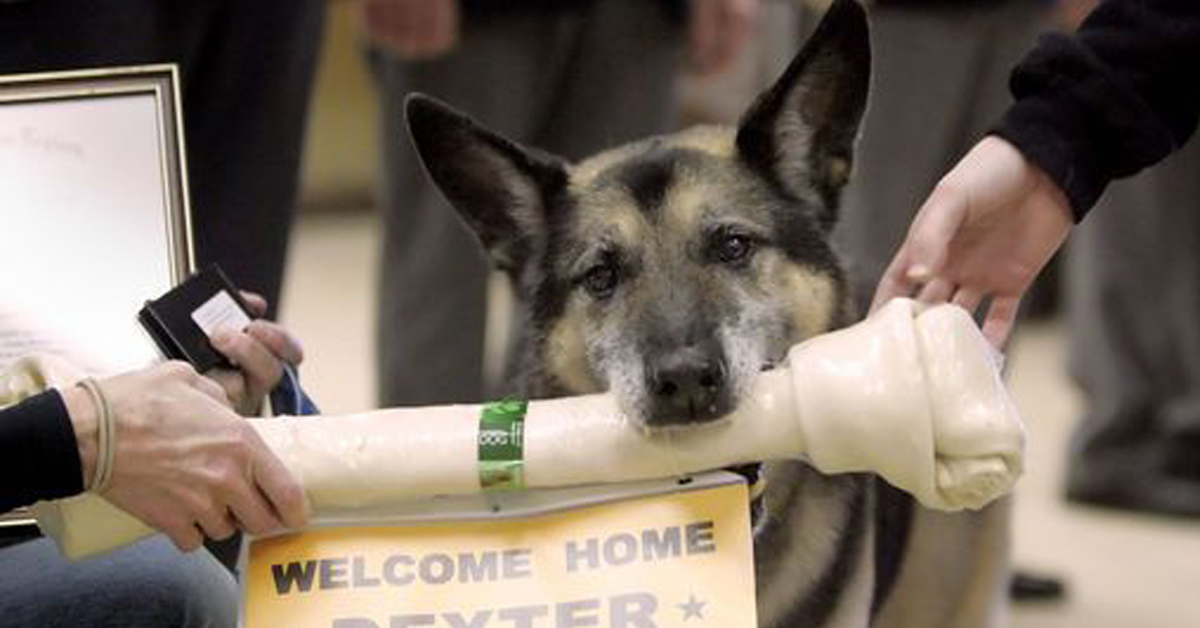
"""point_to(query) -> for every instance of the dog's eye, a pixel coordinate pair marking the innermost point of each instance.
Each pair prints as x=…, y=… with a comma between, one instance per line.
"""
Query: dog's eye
x=732, y=248
x=600, y=280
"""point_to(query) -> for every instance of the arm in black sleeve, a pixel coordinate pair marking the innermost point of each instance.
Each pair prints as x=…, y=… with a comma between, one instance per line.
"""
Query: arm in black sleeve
x=39, y=458
x=1119, y=95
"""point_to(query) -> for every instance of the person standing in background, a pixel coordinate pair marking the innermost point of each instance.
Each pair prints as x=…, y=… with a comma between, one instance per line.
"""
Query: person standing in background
x=1133, y=286
x=939, y=78
x=1115, y=97
x=246, y=69
x=569, y=76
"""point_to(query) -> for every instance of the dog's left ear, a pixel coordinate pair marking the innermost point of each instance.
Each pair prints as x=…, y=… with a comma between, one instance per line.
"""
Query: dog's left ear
x=498, y=187
x=801, y=131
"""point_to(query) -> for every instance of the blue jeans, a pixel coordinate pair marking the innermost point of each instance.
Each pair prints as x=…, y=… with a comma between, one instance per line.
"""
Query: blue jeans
x=147, y=585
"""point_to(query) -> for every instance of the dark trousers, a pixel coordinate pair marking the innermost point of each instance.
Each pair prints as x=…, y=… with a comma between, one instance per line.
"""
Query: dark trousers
x=939, y=79
x=246, y=70
x=571, y=82
x=1134, y=313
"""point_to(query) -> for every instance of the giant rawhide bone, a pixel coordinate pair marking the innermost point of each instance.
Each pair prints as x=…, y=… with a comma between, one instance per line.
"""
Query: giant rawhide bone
x=911, y=395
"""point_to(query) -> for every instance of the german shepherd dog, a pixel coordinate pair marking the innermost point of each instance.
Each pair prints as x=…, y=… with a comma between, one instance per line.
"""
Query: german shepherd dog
x=672, y=270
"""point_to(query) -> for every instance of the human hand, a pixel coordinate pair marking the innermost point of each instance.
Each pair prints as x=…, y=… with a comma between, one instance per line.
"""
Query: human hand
x=1069, y=14
x=183, y=461
x=259, y=352
x=719, y=31
x=987, y=229
x=412, y=29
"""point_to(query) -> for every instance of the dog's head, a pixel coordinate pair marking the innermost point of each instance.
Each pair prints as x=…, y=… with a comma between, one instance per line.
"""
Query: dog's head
x=674, y=269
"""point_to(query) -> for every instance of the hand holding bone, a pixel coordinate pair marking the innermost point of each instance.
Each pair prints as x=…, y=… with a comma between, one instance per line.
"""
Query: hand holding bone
x=912, y=395
x=183, y=461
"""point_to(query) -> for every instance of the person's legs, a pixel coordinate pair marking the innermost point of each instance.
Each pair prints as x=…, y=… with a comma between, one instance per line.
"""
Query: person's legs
x=1134, y=303
x=247, y=73
x=939, y=77
x=75, y=34
x=433, y=279
x=563, y=81
x=246, y=69
x=617, y=82
x=148, y=585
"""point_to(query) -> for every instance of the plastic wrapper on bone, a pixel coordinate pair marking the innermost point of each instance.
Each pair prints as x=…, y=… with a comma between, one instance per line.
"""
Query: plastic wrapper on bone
x=909, y=394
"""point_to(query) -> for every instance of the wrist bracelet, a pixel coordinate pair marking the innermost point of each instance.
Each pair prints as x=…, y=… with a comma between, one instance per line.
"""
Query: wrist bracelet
x=105, y=436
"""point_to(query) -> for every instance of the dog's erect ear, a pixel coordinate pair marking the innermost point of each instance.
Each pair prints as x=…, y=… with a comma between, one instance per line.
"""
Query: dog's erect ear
x=497, y=186
x=801, y=131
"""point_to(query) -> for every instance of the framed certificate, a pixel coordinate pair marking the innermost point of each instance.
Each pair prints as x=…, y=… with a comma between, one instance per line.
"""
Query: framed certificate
x=94, y=216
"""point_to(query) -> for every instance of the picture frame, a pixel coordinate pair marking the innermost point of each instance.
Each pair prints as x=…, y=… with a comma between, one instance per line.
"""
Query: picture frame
x=95, y=219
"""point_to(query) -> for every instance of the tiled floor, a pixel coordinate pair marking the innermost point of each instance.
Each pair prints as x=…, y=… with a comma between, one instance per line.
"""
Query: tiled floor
x=1123, y=571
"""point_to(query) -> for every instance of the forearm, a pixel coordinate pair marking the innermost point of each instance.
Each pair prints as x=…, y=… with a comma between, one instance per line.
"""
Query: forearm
x=38, y=452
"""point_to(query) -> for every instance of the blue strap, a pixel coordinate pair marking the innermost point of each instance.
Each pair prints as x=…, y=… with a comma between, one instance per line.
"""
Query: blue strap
x=289, y=398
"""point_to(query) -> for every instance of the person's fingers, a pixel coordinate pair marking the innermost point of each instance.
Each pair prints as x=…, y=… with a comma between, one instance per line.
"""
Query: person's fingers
x=936, y=291
x=213, y=390
x=418, y=26
x=281, y=488
x=216, y=524
x=433, y=27
x=177, y=371
x=260, y=367
x=967, y=298
x=232, y=383
x=894, y=283
x=740, y=19
x=277, y=340
x=998, y=322
x=379, y=23
x=444, y=29
x=388, y=23
x=703, y=35
x=185, y=535
x=256, y=303
x=926, y=247
x=936, y=224
x=253, y=510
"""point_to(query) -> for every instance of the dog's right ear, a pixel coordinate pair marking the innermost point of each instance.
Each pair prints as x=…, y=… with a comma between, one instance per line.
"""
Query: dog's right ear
x=499, y=187
x=801, y=131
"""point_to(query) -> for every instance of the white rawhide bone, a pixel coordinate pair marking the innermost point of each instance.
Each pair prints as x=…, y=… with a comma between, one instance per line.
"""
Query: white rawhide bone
x=911, y=395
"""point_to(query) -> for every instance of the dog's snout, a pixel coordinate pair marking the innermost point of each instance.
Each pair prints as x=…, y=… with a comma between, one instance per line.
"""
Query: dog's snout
x=687, y=386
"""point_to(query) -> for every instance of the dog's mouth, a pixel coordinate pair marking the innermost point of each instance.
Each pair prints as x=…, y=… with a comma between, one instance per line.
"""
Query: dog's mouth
x=756, y=480
x=691, y=419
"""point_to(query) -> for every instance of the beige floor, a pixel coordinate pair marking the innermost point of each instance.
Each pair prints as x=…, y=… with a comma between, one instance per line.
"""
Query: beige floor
x=1123, y=571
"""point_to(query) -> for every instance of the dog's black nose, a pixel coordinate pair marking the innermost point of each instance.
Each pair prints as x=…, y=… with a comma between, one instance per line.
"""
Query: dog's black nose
x=687, y=386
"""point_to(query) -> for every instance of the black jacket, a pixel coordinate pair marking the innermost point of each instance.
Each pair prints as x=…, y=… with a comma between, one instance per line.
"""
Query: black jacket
x=1119, y=95
x=38, y=455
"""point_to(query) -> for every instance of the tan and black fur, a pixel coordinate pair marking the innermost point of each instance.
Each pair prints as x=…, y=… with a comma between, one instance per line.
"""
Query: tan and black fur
x=672, y=270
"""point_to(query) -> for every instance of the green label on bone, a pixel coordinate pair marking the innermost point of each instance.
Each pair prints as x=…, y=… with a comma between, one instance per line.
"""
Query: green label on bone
x=502, y=444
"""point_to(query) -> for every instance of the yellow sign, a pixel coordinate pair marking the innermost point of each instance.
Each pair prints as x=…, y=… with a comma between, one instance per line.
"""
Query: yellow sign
x=681, y=560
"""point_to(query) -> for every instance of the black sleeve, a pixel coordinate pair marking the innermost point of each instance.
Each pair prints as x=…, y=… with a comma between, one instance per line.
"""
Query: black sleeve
x=38, y=455
x=1119, y=95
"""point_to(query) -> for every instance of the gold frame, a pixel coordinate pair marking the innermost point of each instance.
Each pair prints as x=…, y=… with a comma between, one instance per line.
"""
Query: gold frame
x=160, y=81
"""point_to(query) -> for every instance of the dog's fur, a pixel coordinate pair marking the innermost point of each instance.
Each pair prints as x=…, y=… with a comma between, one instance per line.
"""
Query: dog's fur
x=672, y=270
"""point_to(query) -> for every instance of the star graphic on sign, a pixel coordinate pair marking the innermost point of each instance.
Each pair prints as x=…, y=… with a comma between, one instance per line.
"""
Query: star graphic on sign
x=692, y=608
